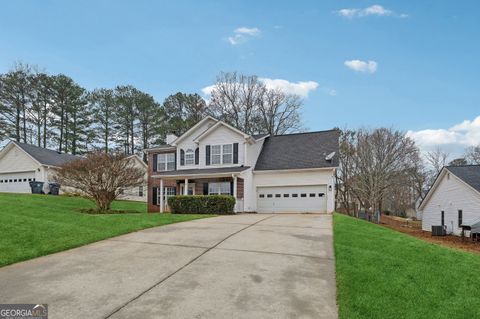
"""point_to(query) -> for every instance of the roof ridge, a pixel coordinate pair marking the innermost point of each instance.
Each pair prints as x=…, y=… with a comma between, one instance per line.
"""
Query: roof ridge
x=464, y=165
x=312, y=132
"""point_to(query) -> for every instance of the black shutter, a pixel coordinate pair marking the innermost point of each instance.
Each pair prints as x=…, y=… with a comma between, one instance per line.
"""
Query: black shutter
x=231, y=189
x=175, y=159
x=197, y=155
x=205, y=188
x=154, y=195
x=443, y=218
x=182, y=157
x=235, y=153
x=155, y=161
x=207, y=153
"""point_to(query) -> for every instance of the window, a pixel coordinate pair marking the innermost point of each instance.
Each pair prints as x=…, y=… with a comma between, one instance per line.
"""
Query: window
x=303, y=195
x=261, y=195
x=294, y=195
x=221, y=154
x=168, y=191
x=321, y=194
x=15, y=180
x=269, y=195
x=460, y=217
x=24, y=179
x=286, y=195
x=140, y=191
x=219, y=188
x=312, y=194
x=216, y=154
x=29, y=179
x=166, y=162
x=189, y=157
x=227, y=151
x=277, y=195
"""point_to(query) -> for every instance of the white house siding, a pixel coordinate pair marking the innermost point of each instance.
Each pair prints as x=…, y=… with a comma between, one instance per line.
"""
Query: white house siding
x=295, y=178
x=16, y=160
x=253, y=151
x=451, y=195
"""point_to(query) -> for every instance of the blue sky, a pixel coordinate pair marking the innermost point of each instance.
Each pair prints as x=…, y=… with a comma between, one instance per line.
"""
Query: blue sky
x=413, y=65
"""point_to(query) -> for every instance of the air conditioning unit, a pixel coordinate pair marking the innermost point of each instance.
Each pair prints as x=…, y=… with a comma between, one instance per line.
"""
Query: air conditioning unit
x=439, y=230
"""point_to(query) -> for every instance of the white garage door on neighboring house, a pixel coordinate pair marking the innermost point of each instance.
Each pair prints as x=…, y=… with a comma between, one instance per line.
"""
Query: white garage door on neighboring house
x=16, y=182
x=292, y=199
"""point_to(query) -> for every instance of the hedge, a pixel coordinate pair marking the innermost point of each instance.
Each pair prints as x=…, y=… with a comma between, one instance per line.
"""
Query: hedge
x=201, y=204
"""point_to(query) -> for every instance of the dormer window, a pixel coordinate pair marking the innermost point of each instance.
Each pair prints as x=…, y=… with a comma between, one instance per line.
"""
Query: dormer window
x=190, y=157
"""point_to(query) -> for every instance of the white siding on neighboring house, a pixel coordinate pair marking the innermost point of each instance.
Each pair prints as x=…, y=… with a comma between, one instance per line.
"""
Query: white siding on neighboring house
x=16, y=160
x=450, y=195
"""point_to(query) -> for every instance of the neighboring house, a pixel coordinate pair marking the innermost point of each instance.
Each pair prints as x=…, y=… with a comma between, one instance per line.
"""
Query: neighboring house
x=453, y=199
x=22, y=163
x=137, y=193
x=266, y=174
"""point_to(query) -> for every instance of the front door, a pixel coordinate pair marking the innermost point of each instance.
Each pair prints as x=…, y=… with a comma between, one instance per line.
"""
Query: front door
x=191, y=189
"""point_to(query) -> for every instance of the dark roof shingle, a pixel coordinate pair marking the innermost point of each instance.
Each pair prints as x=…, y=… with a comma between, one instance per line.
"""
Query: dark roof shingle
x=46, y=156
x=298, y=151
x=470, y=174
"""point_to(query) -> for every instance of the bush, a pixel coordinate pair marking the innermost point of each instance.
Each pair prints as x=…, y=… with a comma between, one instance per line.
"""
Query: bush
x=201, y=204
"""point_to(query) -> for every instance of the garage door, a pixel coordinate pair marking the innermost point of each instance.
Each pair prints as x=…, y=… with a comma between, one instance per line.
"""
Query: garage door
x=292, y=199
x=16, y=182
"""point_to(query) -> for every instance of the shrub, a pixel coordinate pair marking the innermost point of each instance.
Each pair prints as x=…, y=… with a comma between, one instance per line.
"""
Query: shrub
x=201, y=204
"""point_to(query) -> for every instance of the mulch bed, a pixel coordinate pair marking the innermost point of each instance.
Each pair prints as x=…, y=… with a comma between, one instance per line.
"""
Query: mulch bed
x=449, y=241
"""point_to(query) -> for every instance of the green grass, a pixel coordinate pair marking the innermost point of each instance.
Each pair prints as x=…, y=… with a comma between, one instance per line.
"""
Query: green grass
x=385, y=274
x=37, y=225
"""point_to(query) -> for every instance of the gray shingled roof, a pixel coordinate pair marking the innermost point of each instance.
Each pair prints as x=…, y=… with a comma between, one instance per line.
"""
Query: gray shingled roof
x=298, y=151
x=46, y=156
x=197, y=171
x=470, y=174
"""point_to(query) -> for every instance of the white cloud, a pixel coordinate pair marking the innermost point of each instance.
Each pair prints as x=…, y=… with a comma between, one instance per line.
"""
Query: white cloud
x=375, y=10
x=454, y=139
x=361, y=66
x=301, y=88
x=242, y=34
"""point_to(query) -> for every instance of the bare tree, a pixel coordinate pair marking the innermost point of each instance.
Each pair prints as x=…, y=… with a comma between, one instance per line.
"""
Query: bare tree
x=100, y=176
x=280, y=112
x=472, y=154
x=345, y=171
x=383, y=156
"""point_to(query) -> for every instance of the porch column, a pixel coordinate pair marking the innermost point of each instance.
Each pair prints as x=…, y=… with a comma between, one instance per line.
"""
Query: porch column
x=161, y=195
x=185, y=187
x=235, y=187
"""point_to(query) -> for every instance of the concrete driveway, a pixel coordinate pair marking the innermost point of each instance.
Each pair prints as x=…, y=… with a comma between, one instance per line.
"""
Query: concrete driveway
x=243, y=266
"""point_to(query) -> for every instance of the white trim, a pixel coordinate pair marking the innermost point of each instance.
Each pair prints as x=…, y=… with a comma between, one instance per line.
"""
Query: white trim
x=213, y=127
x=207, y=175
x=181, y=137
x=294, y=170
x=138, y=159
x=159, y=149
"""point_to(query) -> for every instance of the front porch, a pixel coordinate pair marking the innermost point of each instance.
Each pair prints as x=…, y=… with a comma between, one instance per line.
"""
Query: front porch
x=164, y=187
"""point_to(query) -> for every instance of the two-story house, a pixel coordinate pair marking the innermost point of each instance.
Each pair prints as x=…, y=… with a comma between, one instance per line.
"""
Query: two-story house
x=266, y=174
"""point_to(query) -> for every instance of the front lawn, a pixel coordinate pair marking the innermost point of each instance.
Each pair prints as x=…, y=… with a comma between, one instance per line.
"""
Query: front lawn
x=385, y=274
x=37, y=225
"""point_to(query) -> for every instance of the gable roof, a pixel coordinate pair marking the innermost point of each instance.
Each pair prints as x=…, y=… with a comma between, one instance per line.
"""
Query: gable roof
x=299, y=151
x=190, y=130
x=45, y=156
x=214, y=127
x=468, y=174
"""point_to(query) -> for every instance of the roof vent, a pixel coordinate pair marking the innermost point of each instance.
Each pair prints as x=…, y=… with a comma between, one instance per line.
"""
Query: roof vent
x=330, y=156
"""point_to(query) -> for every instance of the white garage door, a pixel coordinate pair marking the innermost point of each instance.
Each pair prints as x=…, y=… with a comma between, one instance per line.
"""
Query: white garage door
x=16, y=182
x=292, y=199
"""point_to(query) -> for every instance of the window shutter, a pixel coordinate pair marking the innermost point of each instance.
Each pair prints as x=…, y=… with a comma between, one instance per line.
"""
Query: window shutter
x=155, y=162
x=207, y=153
x=175, y=159
x=197, y=155
x=182, y=157
x=154, y=195
x=235, y=153
x=205, y=188
x=231, y=189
